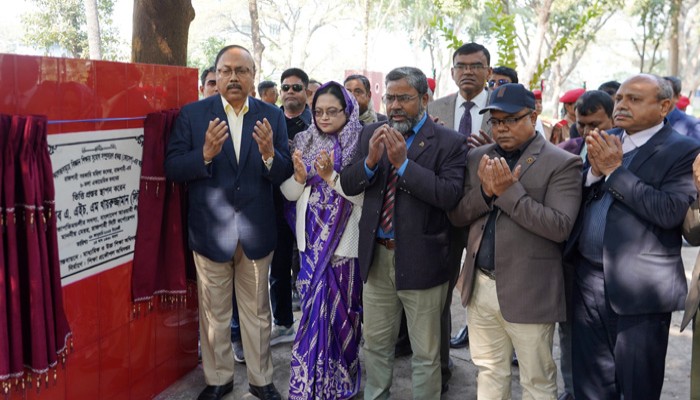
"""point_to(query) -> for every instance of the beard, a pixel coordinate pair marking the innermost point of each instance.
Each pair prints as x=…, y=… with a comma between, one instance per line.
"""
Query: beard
x=408, y=123
x=293, y=105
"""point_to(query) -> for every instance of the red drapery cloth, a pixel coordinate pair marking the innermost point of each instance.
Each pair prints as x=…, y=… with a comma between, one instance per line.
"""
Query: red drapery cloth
x=34, y=331
x=161, y=257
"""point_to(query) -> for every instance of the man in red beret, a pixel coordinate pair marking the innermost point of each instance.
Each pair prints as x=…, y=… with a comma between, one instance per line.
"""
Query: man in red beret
x=568, y=100
x=539, y=127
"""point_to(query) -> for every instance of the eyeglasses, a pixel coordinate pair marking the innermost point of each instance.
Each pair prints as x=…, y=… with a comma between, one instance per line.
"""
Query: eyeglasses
x=469, y=67
x=297, y=87
x=402, y=99
x=357, y=92
x=495, y=122
x=239, y=71
x=331, y=112
x=500, y=82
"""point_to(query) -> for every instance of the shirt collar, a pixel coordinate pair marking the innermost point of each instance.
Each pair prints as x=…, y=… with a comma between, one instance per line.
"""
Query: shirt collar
x=244, y=110
x=420, y=123
x=639, y=139
x=479, y=100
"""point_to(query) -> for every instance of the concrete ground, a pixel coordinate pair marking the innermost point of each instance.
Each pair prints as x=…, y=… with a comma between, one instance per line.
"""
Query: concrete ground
x=463, y=382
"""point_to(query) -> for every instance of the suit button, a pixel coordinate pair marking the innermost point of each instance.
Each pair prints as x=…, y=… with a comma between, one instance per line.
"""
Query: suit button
x=236, y=209
x=238, y=188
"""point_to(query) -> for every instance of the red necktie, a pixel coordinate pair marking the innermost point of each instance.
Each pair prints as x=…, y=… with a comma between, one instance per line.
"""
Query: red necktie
x=387, y=217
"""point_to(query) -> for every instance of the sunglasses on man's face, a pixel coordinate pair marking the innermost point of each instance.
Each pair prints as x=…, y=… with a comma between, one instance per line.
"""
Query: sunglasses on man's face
x=297, y=87
x=500, y=82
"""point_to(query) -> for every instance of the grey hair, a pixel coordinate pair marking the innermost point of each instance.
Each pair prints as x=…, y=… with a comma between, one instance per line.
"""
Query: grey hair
x=414, y=76
x=665, y=89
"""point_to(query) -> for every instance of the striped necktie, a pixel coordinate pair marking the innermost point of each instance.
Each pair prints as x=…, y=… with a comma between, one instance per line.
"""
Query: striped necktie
x=386, y=221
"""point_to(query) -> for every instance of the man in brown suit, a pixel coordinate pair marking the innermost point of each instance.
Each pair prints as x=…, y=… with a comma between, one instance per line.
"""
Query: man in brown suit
x=521, y=198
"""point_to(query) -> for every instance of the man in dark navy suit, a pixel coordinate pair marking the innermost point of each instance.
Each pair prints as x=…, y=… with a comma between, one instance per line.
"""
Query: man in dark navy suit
x=626, y=246
x=231, y=150
x=411, y=171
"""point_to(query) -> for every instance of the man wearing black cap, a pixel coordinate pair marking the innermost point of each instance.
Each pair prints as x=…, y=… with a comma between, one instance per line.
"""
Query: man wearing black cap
x=521, y=198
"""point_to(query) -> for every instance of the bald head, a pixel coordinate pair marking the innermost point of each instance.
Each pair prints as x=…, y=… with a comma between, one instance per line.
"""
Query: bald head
x=642, y=102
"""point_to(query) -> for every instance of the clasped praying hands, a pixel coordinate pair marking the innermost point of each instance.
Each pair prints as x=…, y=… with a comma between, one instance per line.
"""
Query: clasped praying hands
x=604, y=152
x=495, y=175
x=389, y=139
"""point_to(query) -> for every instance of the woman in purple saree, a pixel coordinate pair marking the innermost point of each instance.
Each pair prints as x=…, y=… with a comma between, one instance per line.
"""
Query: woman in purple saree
x=325, y=356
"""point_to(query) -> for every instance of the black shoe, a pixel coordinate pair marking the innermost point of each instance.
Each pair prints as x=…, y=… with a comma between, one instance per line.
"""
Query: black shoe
x=461, y=340
x=267, y=392
x=215, y=392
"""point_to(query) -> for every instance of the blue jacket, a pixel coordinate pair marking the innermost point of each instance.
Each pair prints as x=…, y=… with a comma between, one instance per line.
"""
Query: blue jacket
x=683, y=123
x=642, y=262
x=230, y=201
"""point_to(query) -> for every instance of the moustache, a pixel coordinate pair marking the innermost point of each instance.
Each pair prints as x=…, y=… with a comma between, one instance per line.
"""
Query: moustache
x=623, y=113
x=233, y=86
x=398, y=113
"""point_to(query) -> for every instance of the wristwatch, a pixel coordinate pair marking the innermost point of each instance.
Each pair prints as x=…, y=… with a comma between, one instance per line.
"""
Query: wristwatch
x=268, y=162
x=334, y=178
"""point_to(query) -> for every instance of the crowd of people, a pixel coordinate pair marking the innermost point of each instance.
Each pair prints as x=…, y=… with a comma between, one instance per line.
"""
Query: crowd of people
x=369, y=222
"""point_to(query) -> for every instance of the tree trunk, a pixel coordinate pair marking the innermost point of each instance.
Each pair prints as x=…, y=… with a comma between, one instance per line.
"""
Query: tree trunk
x=365, y=42
x=673, y=45
x=258, y=46
x=93, y=29
x=160, y=31
x=535, y=52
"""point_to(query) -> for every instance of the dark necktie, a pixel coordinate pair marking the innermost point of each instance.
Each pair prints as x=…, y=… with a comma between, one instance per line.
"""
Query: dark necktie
x=465, y=124
x=386, y=221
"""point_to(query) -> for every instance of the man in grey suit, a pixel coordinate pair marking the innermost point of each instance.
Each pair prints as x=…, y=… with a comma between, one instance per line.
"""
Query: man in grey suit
x=470, y=70
x=521, y=198
x=411, y=171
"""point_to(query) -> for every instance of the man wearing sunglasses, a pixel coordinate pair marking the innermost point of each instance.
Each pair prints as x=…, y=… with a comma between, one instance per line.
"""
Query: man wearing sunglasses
x=293, y=91
x=294, y=87
x=501, y=76
x=523, y=193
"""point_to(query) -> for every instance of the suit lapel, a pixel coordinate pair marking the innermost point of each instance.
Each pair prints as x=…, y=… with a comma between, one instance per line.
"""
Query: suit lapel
x=529, y=156
x=649, y=148
x=451, y=110
x=217, y=111
x=422, y=140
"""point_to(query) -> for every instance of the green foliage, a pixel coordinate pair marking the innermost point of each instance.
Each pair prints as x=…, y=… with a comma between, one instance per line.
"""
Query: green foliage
x=576, y=30
x=61, y=24
x=202, y=55
x=447, y=32
x=653, y=18
x=505, y=33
